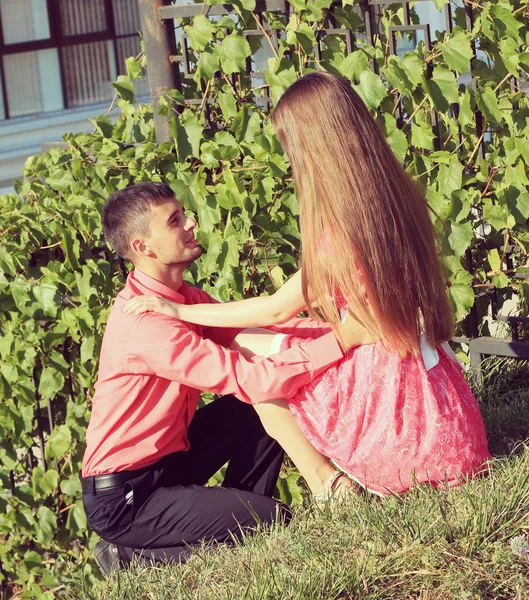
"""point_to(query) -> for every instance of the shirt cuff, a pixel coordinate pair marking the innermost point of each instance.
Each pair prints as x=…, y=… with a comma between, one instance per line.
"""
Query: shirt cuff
x=323, y=351
x=275, y=346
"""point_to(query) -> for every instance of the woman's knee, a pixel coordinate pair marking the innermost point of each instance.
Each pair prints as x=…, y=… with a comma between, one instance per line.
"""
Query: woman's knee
x=273, y=414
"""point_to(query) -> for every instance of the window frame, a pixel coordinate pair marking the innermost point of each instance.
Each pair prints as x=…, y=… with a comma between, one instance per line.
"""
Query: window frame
x=58, y=41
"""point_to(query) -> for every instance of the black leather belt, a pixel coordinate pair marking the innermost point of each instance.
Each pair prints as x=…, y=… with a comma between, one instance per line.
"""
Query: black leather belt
x=111, y=480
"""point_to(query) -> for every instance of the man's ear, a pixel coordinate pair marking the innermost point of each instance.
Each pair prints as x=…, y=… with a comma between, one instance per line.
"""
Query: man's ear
x=141, y=248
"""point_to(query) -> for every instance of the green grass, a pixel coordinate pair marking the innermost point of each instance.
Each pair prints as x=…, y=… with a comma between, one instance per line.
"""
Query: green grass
x=428, y=544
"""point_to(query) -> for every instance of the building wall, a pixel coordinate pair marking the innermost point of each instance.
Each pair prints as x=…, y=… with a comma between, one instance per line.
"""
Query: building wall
x=58, y=59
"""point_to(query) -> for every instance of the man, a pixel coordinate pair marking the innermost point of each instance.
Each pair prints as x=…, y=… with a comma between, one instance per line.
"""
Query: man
x=148, y=453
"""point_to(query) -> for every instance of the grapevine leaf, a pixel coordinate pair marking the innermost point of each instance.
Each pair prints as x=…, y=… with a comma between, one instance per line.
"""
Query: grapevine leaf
x=443, y=88
x=316, y=8
x=76, y=520
x=466, y=114
x=233, y=52
x=133, y=67
x=125, y=88
x=505, y=22
x=246, y=125
x=397, y=76
x=228, y=105
x=488, y=104
x=300, y=33
x=461, y=236
x=46, y=526
x=71, y=487
x=462, y=299
x=208, y=64
x=371, y=89
x=200, y=32
x=354, y=64
x=395, y=137
x=104, y=125
x=498, y=215
x=60, y=180
x=413, y=67
x=246, y=4
x=51, y=382
x=59, y=442
x=457, y=50
x=494, y=260
x=517, y=201
x=208, y=214
x=43, y=482
x=450, y=176
x=299, y=5
x=509, y=55
x=500, y=280
x=422, y=136
x=47, y=297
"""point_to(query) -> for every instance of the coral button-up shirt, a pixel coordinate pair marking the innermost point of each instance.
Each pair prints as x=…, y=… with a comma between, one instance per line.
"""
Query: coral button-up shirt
x=153, y=367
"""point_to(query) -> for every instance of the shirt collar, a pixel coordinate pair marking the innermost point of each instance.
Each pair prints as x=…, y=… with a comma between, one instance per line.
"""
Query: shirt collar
x=154, y=286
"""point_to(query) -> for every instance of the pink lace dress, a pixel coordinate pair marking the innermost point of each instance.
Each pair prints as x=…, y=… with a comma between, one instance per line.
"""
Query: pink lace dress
x=391, y=423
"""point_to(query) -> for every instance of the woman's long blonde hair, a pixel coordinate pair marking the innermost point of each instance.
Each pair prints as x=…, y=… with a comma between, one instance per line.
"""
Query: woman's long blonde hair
x=356, y=199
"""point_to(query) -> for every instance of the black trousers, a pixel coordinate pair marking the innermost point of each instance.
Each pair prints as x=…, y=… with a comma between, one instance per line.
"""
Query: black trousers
x=164, y=510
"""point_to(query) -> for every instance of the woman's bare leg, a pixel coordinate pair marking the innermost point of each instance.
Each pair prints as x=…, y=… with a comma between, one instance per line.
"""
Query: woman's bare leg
x=254, y=341
x=279, y=423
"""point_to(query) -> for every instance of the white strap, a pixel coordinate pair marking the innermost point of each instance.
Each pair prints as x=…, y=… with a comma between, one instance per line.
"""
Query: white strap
x=430, y=356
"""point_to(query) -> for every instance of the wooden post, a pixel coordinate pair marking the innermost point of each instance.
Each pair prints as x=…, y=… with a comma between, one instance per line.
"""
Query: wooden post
x=160, y=45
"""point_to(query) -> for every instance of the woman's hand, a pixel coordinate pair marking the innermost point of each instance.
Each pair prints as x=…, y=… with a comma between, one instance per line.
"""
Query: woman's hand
x=141, y=304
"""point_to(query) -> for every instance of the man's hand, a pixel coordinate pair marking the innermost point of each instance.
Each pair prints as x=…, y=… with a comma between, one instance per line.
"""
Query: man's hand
x=353, y=333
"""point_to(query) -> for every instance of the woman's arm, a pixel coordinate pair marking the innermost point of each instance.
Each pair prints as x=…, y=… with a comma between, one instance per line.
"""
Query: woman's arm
x=286, y=303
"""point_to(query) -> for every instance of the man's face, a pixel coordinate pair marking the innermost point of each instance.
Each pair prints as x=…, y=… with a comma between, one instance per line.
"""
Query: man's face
x=171, y=234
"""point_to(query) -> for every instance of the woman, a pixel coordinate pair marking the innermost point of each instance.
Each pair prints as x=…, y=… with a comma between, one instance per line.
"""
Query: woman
x=396, y=412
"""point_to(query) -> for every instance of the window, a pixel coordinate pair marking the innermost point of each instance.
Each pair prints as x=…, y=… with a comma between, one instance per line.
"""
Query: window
x=24, y=21
x=33, y=82
x=57, y=54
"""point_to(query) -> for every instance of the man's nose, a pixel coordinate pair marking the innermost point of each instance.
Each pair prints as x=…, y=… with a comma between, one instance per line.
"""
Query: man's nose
x=190, y=224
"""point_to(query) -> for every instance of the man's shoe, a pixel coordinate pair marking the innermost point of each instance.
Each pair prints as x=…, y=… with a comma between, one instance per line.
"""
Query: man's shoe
x=107, y=557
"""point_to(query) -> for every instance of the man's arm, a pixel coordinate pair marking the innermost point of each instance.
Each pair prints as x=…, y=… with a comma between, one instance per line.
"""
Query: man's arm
x=264, y=342
x=174, y=352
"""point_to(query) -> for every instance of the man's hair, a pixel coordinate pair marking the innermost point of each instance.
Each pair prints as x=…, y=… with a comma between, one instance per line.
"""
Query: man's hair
x=126, y=213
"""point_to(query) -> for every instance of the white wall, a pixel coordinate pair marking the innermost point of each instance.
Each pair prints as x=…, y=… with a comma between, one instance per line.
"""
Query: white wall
x=23, y=137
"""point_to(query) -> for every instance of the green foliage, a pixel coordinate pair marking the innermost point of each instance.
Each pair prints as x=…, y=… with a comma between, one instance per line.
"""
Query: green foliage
x=58, y=277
